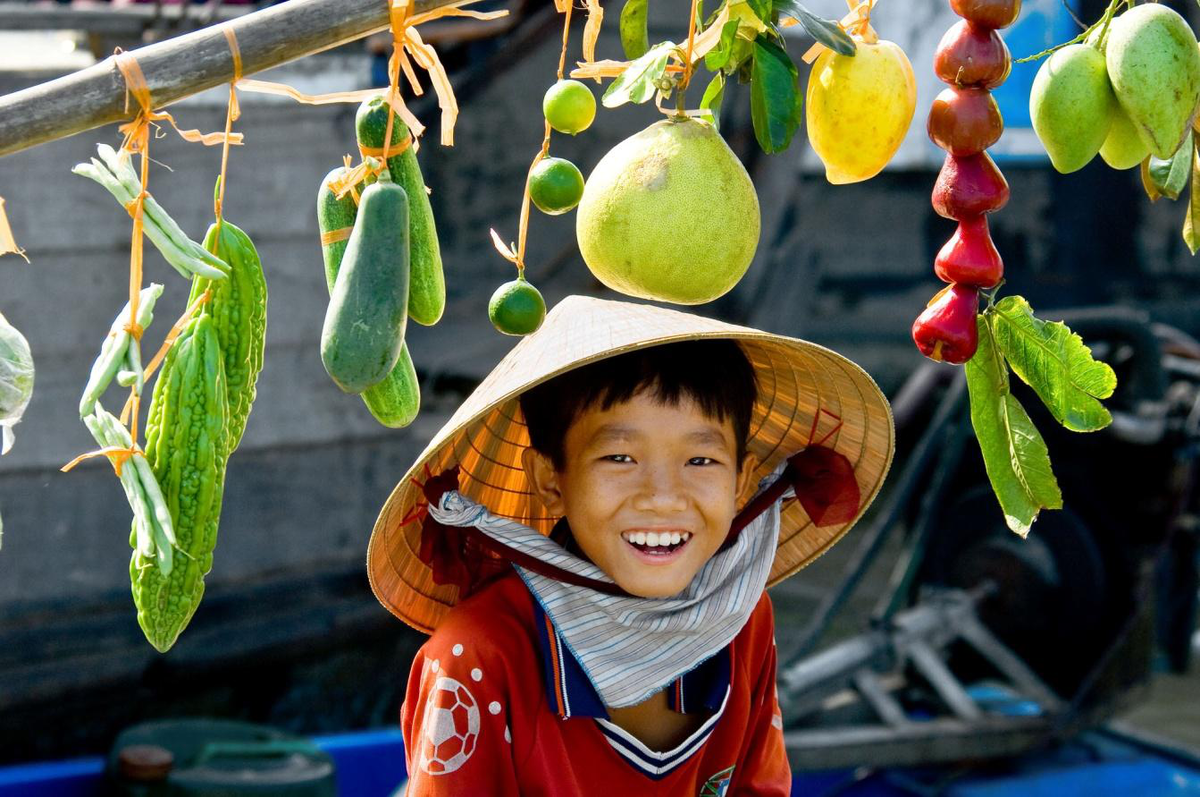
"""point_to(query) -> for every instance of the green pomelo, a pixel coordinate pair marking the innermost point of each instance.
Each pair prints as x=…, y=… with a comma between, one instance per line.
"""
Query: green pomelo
x=669, y=214
x=1124, y=148
x=1154, y=66
x=1072, y=106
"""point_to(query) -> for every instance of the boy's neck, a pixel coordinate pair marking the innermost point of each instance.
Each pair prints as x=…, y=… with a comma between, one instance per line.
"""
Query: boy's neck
x=561, y=533
x=655, y=724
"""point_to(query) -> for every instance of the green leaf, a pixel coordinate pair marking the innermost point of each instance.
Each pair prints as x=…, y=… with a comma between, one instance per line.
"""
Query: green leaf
x=1014, y=454
x=1054, y=361
x=718, y=57
x=761, y=9
x=825, y=31
x=1191, y=221
x=1170, y=176
x=773, y=95
x=640, y=79
x=634, y=38
x=711, y=101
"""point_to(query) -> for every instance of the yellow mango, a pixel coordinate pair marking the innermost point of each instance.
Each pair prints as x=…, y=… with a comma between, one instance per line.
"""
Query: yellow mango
x=859, y=109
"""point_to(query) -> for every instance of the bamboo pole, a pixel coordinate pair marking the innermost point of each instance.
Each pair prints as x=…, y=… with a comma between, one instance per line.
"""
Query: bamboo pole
x=186, y=65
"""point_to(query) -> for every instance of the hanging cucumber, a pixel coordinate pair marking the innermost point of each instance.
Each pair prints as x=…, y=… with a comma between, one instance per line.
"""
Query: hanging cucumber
x=396, y=400
x=427, y=292
x=368, y=309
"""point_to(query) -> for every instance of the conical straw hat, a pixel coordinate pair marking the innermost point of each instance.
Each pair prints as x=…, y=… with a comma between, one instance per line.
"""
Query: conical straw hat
x=807, y=394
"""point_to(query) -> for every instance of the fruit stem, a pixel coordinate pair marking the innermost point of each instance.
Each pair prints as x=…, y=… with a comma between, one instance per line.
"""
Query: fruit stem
x=990, y=294
x=1104, y=20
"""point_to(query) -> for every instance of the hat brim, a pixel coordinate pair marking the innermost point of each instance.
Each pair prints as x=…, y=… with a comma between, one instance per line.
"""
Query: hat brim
x=807, y=395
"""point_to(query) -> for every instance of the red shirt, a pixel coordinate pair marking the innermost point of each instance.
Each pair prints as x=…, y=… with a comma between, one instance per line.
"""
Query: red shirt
x=496, y=705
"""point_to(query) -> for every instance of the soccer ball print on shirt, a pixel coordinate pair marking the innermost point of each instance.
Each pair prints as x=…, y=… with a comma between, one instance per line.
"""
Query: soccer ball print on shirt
x=451, y=727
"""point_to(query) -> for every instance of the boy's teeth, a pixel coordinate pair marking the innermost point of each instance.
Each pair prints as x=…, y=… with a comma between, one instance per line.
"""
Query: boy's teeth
x=655, y=539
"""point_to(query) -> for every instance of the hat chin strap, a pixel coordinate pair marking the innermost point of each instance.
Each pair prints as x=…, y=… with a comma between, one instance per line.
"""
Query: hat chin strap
x=822, y=479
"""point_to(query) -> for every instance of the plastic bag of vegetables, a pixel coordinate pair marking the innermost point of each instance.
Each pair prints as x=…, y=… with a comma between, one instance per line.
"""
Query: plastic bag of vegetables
x=16, y=380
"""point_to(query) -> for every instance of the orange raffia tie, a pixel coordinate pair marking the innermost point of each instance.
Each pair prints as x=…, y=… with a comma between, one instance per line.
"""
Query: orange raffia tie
x=383, y=152
x=137, y=139
x=354, y=176
x=351, y=184
x=232, y=114
x=857, y=23
x=687, y=60
x=398, y=15
x=336, y=236
x=117, y=456
x=135, y=84
x=524, y=228
x=8, y=245
x=424, y=56
x=172, y=334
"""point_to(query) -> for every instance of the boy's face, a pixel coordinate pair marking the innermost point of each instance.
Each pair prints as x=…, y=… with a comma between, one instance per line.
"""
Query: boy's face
x=639, y=473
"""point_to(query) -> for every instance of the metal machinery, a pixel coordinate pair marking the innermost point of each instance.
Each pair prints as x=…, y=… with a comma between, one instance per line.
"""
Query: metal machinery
x=984, y=645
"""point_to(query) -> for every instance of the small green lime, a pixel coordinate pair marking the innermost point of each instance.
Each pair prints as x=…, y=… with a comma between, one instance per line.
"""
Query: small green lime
x=569, y=106
x=517, y=308
x=555, y=185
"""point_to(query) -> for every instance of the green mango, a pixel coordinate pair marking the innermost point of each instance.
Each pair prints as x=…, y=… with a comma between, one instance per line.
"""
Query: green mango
x=1072, y=106
x=1154, y=66
x=1124, y=148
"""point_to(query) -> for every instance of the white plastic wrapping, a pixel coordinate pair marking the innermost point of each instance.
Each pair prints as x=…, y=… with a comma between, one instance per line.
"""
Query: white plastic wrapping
x=16, y=380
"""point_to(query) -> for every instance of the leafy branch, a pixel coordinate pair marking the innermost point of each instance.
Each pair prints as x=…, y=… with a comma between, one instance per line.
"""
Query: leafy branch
x=1060, y=369
x=742, y=38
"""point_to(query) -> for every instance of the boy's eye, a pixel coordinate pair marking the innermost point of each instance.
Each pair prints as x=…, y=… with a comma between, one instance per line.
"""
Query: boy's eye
x=701, y=461
x=617, y=458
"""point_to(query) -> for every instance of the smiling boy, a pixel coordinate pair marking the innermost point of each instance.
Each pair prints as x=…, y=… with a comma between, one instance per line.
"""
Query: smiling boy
x=573, y=540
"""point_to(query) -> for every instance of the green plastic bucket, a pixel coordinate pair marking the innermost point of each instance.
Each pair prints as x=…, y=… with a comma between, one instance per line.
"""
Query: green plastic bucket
x=217, y=758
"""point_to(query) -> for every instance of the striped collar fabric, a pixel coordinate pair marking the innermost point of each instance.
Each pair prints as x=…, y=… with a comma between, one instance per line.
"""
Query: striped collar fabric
x=630, y=647
x=569, y=693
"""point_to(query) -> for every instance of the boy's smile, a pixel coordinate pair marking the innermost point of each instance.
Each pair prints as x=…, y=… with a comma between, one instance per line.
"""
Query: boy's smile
x=648, y=488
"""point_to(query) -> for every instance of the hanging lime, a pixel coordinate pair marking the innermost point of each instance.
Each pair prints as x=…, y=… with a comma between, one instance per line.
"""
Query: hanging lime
x=517, y=308
x=555, y=185
x=569, y=106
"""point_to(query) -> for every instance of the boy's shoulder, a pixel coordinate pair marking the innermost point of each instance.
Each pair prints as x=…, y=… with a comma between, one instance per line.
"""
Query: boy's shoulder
x=757, y=636
x=496, y=622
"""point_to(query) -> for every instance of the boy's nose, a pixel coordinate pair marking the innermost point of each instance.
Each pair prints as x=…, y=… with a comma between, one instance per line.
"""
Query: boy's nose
x=662, y=492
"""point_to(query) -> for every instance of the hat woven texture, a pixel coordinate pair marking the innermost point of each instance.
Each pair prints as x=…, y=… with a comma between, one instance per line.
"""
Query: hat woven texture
x=807, y=394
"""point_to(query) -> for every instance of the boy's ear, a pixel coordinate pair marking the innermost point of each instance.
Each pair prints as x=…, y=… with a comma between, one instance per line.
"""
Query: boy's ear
x=543, y=478
x=745, y=477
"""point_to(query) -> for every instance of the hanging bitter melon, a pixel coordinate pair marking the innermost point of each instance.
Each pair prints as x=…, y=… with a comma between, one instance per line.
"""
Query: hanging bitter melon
x=238, y=306
x=185, y=446
x=202, y=397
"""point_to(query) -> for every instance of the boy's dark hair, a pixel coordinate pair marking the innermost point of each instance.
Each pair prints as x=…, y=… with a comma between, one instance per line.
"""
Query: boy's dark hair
x=713, y=373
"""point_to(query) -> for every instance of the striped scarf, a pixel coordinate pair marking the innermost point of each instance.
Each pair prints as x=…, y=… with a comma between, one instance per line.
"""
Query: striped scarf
x=632, y=647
